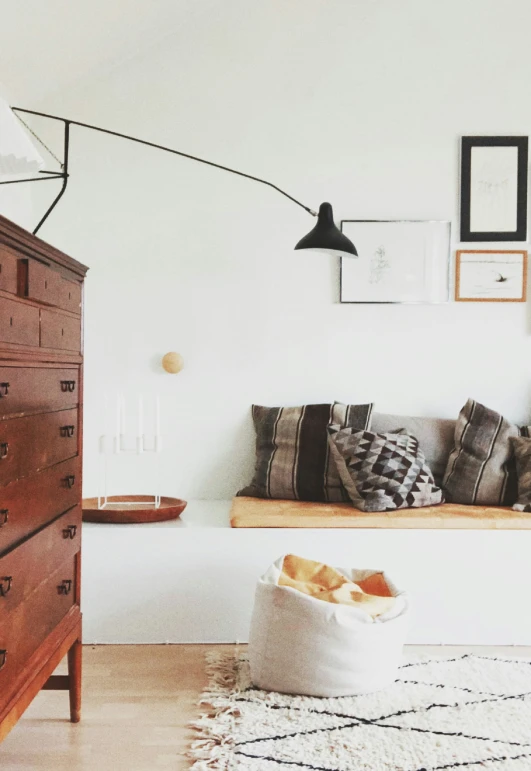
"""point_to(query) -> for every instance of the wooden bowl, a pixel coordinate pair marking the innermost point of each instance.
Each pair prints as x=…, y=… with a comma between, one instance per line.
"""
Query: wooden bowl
x=137, y=513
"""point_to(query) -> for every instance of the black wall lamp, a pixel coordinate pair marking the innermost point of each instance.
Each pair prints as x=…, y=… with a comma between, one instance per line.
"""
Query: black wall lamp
x=325, y=236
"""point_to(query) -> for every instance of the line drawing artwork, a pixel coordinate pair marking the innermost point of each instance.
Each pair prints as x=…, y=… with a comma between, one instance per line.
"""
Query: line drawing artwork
x=493, y=204
x=494, y=194
x=489, y=187
x=399, y=261
x=494, y=181
x=496, y=278
x=380, y=266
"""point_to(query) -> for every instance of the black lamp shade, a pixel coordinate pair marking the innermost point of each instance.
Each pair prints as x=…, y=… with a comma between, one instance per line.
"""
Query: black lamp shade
x=326, y=235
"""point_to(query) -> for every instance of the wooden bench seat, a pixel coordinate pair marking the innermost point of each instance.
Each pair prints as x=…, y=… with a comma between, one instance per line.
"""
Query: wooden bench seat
x=258, y=512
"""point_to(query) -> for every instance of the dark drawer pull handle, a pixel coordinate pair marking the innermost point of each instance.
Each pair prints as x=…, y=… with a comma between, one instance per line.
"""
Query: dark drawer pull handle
x=4, y=516
x=70, y=532
x=4, y=389
x=3, y=658
x=68, y=385
x=65, y=587
x=5, y=585
x=4, y=449
x=70, y=480
x=67, y=431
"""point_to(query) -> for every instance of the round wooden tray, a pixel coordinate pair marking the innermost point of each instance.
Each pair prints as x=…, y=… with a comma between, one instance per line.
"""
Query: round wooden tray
x=137, y=513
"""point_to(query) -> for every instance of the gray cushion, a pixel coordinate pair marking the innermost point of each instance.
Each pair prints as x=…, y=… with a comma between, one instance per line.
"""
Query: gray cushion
x=292, y=457
x=479, y=466
x=383, y=472
x=435, y=437
x=522, y=452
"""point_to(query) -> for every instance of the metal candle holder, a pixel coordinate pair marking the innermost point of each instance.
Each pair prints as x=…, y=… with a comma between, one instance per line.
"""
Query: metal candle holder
x=120, y=442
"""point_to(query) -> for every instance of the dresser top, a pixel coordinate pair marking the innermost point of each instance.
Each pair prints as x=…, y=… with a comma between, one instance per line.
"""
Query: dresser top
x=26, y=243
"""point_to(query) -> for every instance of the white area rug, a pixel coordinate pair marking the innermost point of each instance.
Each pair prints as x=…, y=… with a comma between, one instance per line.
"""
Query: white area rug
x=471, y=712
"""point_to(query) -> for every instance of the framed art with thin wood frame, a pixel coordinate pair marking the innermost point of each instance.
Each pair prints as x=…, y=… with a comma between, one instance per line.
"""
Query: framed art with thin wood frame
x=491, y=276
x=494, y=188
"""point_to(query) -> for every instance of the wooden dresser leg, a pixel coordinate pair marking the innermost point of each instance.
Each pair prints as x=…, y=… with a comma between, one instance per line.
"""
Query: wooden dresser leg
x=74, y=674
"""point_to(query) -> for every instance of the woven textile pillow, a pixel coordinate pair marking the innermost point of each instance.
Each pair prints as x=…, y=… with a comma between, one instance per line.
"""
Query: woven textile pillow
x=292, y=455
x=435, y=435
x=522, y=454
x=480, y=468
x=383, y=472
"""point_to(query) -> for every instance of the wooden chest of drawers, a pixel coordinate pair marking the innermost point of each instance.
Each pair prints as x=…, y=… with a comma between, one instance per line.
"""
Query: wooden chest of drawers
x=40, y=471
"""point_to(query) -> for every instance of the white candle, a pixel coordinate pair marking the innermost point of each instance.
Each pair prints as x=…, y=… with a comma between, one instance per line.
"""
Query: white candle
x=103, y=435
x=118, y=412
x=122, y=414
x=140, y=416
x=105, y=414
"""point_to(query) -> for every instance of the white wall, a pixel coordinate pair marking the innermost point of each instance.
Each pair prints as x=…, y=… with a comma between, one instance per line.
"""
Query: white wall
x=194, y=580
x=358, y=103
x=15, y=204
x=15, y=200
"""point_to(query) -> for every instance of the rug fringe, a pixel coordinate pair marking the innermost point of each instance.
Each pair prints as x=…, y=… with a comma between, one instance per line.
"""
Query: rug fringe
x=213, y=748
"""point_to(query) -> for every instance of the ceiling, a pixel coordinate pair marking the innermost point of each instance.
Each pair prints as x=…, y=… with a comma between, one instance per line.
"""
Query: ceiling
x=48, y=46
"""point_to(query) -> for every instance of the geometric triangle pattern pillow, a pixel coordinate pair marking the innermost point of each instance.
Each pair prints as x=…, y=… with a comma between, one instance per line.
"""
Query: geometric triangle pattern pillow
x=383, y=472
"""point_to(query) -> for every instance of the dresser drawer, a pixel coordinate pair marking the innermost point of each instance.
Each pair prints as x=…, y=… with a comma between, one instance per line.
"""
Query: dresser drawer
x=47, y=286
x=42, y=283
x=70, y=298
x=30, y=444
x=19, y=323
x=36, y=389
x=60, y=331
x=27, y=566
x=23, y=630
x=8, y=270
x=30, y=503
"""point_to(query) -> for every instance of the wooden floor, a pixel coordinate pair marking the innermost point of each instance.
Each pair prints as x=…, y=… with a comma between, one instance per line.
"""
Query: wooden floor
x=137, y=701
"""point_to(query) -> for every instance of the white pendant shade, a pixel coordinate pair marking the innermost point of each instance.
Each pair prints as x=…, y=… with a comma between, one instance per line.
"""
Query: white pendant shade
x=18, y=156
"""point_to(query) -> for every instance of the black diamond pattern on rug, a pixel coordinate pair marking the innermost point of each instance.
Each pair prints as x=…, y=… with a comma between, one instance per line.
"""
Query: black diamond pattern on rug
x=468, y=712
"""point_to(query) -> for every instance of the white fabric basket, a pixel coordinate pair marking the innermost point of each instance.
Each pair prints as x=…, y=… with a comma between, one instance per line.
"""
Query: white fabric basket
x=299, y=644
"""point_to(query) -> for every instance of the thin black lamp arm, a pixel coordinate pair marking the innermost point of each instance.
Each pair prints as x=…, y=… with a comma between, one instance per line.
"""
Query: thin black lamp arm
x=51, y=175
x=64, y=176
x=67, y=122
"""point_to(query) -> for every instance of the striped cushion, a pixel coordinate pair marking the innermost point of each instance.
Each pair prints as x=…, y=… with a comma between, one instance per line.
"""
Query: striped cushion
x=512, y=491
x=522, y=452
x=481, y=468
x=292, y=454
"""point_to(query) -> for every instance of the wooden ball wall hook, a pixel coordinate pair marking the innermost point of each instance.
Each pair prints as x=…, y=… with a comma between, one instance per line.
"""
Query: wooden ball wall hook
x=172, y=362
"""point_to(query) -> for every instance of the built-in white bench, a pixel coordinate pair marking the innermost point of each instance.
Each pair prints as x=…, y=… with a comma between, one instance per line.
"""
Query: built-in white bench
x=192, y=580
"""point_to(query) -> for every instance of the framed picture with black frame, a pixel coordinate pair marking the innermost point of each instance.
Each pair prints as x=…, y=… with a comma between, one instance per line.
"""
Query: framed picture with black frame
x=494, y=188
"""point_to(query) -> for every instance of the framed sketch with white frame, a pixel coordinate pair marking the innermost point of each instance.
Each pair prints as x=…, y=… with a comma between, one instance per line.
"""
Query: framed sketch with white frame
x=399, y=261
x=491, y=276
x=494, y=188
